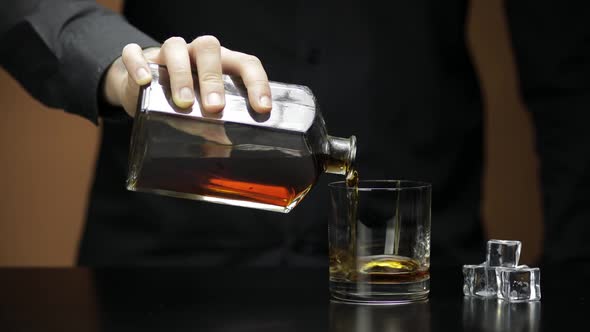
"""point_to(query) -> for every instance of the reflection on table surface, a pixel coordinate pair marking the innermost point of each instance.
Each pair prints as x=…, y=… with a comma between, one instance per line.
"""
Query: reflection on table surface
x=497, y=315
x=478, y=315
x=346, y=317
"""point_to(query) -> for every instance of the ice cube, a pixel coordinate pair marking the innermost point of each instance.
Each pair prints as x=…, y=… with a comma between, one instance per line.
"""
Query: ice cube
x=519, y=284
x=479, y=280
x=504, y=253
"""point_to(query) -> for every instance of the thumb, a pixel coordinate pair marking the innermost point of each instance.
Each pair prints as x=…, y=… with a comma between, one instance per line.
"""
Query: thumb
x=129, y=93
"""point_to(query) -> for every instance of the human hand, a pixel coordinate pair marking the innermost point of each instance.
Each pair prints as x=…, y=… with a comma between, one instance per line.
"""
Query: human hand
x=128, y=72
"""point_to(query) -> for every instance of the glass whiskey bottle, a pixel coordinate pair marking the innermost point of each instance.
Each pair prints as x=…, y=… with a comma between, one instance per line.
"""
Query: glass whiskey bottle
x=237, y=157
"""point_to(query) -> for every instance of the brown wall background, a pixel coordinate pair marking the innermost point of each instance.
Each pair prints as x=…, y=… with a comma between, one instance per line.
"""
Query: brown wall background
x=47, y=159
x=512, y=201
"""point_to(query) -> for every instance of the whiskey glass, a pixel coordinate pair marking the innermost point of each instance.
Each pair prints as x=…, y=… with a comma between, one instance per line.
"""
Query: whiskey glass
x=379, y=241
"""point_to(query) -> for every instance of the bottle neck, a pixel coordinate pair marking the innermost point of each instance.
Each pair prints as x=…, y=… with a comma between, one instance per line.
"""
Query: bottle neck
x=341, y=155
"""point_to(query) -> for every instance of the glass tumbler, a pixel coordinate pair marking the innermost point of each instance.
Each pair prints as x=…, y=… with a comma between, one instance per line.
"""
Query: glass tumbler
x=379, y=237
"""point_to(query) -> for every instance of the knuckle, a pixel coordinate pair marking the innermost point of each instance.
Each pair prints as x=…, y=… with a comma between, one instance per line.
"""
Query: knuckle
x=179, y=71
x=129, y=51
x=260, y=84
x=251, y=60
x=207, y=41
x=174, y=41
x=210, y=78
x=130, y=48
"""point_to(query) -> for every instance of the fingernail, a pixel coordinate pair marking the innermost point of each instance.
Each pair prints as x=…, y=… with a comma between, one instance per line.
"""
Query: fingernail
x=142, y=75
x=214, y=99
x=265, y=101
x=186, y=94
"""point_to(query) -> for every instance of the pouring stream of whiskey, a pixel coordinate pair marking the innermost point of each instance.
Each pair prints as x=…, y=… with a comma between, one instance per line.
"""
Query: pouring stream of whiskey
x=352, y=181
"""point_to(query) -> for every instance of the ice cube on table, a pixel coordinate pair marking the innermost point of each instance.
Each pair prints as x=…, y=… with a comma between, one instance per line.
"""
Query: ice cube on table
x=503, y=253
x=479, y=280
x=519, y=284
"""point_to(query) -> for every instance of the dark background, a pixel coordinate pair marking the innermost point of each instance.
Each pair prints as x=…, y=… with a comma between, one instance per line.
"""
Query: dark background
x=47, y=159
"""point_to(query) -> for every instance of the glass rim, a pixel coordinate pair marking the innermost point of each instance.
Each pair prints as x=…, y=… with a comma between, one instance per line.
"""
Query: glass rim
x=386, y=185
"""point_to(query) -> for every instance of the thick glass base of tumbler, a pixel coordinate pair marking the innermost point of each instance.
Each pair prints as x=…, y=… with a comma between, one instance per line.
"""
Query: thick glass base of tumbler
x=380, y=293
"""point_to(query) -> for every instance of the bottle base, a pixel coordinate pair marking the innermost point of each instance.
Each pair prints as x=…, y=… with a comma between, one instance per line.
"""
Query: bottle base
x=216, y=200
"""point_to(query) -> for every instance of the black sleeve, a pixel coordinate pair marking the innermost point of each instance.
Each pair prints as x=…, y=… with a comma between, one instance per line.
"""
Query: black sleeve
x=59, y=50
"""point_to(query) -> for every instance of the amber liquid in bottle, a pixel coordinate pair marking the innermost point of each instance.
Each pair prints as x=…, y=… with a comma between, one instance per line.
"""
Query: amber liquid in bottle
x=267, y=180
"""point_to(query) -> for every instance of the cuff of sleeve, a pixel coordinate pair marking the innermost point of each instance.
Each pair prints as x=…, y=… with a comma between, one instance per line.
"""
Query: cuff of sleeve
x=86, y=60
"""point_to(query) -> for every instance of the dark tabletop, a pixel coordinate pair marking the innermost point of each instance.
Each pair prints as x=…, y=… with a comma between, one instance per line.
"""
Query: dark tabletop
x=218, y=299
